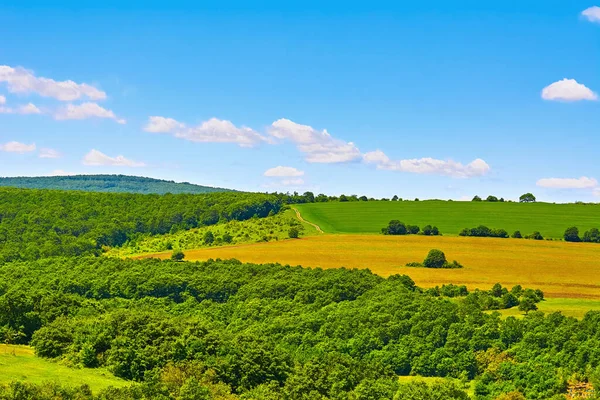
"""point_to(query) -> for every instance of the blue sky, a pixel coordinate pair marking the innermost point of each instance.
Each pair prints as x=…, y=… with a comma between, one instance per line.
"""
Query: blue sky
x=445, y=99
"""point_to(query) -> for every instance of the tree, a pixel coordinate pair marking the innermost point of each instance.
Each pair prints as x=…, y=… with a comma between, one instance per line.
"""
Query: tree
x=177, y=255
x=435, y=259
x=363, y=198
x=592, y=236
x=343, y=198
x=309, y=197
x=527, y=198
x=517, y=235
x=294, y=233
x=476, y=198
x=227, y=238
x=395, y=227
x=492, y=199
x=413, y=229
x=535, y=236
x=572, y=235
x=209, y=238
x=395, y=198
x=527, y=304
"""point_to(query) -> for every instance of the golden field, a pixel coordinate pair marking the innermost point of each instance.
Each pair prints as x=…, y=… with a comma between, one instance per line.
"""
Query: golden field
x=560, y=269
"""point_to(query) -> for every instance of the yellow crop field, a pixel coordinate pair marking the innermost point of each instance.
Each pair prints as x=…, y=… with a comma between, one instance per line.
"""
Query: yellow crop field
x=560, y=269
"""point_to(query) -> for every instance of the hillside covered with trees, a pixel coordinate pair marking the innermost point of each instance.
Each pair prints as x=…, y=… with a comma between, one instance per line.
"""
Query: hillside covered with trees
x=227, y=330
x=42, y=223
x=107, y=183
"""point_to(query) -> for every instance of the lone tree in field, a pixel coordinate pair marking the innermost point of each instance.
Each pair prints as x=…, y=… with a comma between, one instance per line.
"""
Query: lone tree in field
x=572, y=235
x=492, y=199
x=177, y=255
x=476, y=198
x=527, y=198
x=527, y=304
x=435, y=259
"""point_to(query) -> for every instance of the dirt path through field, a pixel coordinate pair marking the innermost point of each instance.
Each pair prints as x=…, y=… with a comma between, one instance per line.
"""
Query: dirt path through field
x=317, y=227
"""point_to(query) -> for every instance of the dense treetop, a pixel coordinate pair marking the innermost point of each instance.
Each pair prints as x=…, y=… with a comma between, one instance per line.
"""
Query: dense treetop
x=107, y=183
x=281, y=332
x=40, y=223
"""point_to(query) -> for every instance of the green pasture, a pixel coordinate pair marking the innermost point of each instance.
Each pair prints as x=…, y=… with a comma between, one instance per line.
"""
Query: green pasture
x=452, y=216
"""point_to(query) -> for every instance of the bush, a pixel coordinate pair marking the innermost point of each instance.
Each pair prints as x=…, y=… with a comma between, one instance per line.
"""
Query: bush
x=517, y=235
x=484, y=231
x=209, y=238
x=294, y=233
x=572, y=235
x=435, y=259
x=535, y=236
x=415, y=264
x=428, y=230
x=177, y=255
x=227, y=238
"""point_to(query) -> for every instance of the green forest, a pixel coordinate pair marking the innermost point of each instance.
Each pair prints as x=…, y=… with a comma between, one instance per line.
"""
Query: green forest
x=107, y=183
x=43, y=223
x=223, y=329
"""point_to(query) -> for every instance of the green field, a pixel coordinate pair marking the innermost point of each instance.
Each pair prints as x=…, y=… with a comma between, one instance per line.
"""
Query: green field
x=452, y=216
x=19, y=363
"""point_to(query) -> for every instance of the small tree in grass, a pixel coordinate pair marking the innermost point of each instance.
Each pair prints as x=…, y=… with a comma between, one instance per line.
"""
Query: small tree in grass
x=294, y=233
x=177, y=255
x=435, y=259
x=527, y=304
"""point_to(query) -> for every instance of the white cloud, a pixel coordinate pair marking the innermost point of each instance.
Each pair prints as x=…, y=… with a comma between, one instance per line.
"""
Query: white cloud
x=29, y=108
x=592, y=14
x=17, y=147
x=97, y=158
x=568, y=183
x=318, y=146
x=2, y=100
x=596, y=192
x=475, y=168
x=85, y=111
x=568, y=90
x=49, y=153
x=163, y=125
x=212, y=131
x=293, y=182
x=20, y=80
x=283, y=172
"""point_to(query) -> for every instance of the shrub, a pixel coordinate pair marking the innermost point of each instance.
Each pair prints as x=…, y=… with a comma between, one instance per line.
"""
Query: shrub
x=535, y=236
x=294, y=233
x=209, y=238
x=572, y=235
x=227, y=238
x=484, y=231
x=428, y=230
x=592, y=236
x=415, y=264
x=517, y=235
x=435, y=259
x=177, y=255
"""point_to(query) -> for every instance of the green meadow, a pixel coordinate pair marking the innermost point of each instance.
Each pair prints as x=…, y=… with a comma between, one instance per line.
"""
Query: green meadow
x=19, y=363
x=452, y=216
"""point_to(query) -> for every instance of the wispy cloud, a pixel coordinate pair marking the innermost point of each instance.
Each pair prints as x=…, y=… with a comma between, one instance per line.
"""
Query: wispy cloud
x=21, y=80
x=568, y=90
x=475, y=168
x=17, y=147
x=568, y=183
x=97, y=158
x=283, y=172
x=85, y=111
x=49, y=153
x=317, y=146
x=213, y=130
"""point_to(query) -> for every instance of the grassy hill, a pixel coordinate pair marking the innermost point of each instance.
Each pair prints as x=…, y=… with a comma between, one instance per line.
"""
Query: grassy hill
x=19, y=363
x=108, y=183
x=452, y=216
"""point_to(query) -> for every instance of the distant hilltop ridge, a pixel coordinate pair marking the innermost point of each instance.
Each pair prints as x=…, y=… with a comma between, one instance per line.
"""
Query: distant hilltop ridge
x=108, y=183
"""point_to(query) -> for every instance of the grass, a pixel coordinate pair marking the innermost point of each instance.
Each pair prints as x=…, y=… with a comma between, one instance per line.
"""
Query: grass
x=19, y=363
x=452, y=216
x=569, y=307
x=560, y=269
x=254, y=230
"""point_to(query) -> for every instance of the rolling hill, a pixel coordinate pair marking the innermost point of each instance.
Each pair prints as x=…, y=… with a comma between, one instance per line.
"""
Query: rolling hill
x=108, y=183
